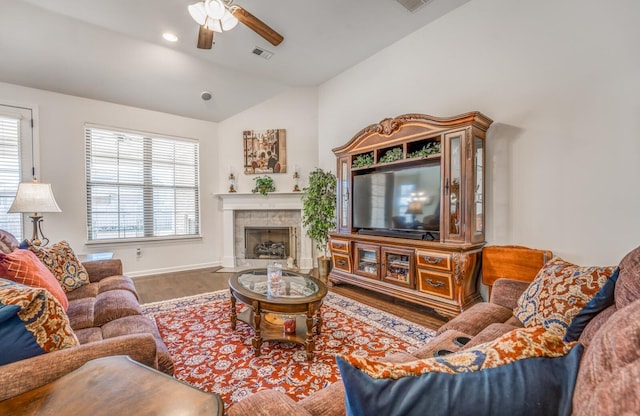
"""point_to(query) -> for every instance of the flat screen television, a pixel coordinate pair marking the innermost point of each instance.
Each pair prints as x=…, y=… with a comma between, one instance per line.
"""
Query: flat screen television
x=404, y=199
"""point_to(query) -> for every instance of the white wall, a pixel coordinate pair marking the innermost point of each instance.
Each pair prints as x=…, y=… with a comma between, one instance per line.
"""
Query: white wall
x=296, y=111
x=61, y=138
x=560, y=79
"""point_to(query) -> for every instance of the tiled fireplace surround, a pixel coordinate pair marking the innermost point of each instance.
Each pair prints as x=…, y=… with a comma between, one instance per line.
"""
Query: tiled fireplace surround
x=253, y=210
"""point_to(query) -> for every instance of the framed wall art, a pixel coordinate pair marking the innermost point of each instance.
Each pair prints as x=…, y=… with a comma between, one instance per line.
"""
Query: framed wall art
x=264, y=151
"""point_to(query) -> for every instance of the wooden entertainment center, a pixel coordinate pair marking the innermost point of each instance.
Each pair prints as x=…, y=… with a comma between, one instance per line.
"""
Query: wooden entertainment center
x=419, y=184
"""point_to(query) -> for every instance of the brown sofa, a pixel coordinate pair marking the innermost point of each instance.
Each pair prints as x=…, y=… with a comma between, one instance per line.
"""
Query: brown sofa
x=608, y=379
x=107, y=320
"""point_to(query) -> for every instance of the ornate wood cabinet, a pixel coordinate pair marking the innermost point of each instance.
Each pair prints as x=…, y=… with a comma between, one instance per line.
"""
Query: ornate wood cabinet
x=429, y=259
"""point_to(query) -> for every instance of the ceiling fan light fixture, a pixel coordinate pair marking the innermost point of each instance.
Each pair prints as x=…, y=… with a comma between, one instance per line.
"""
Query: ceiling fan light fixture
x=215, y=9
x=213, y=24
x=198, y=12
x=228, y=21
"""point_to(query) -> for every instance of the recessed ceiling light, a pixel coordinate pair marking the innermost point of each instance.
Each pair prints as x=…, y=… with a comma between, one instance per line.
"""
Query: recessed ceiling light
x=170, y=37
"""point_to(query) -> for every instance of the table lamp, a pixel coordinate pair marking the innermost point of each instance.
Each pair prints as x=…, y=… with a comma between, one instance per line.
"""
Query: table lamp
x=37, y=198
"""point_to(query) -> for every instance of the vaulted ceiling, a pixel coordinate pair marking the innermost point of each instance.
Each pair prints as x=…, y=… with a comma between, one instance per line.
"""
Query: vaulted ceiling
x=113, y=50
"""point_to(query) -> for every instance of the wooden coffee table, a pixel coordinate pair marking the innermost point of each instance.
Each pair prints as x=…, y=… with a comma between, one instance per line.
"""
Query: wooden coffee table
x=300, y=295
x=114, y=385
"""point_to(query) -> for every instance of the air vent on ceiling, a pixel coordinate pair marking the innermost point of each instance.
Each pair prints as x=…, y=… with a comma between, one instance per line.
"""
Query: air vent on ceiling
x=263, y=53
x=413, y=5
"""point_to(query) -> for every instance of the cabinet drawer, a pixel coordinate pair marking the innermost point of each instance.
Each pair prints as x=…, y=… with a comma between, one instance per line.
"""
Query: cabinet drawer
x=434, y=260
x=339, y=245
x=341, y=262
x=435, y=283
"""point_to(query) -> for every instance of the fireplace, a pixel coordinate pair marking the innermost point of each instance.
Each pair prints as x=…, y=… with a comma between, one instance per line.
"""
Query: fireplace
x=262, y=236
x=270, y=243
x=278, y=210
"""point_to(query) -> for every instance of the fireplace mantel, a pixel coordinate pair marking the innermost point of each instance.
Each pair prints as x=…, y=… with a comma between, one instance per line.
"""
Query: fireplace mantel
x=275, y=200
x=232, y=202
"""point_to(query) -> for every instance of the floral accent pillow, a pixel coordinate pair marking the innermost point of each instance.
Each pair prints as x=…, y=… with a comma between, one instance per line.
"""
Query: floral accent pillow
x=559, y=291
x=532, y=367
x=63, y=263
x=32, y=322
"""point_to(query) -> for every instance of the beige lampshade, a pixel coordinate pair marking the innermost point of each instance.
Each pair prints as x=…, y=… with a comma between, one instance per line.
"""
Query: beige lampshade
x=34, y=197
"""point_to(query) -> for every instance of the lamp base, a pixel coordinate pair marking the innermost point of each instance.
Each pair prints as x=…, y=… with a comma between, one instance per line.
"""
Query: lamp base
x=37, y=232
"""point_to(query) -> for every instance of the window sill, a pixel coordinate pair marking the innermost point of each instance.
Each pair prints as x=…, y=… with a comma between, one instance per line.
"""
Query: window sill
x=137, y=241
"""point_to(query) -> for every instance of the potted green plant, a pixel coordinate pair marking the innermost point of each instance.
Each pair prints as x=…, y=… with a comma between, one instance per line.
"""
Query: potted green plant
x=264, y=185
x=319, y=214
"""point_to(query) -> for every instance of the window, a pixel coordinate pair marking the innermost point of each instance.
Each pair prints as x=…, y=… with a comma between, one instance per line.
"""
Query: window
x=16, y=162
x=139, y=186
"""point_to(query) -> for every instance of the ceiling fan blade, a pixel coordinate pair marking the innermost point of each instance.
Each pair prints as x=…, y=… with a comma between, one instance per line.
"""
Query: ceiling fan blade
x=205, y=38
x=257, y=25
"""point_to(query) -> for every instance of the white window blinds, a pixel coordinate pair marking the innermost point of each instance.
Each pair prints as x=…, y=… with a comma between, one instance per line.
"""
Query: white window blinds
x=140, y=186
x=10, y=172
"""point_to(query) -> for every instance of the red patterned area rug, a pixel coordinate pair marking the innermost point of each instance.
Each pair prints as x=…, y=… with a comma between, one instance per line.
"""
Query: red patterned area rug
x=209, y=355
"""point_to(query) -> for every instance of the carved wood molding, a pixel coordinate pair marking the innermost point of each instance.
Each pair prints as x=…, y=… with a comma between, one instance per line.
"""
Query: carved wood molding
x=386, y=127
x=389, y=126
x=460, y=263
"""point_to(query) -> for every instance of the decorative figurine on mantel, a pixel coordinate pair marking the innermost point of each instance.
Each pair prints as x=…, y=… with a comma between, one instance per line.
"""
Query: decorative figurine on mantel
x=232, y=181
x=296, y=179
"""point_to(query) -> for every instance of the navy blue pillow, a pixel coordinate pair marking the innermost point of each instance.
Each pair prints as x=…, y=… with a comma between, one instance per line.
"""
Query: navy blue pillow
x=531, y=386
x=32, y=322
x=601, y=301
x=17, y=342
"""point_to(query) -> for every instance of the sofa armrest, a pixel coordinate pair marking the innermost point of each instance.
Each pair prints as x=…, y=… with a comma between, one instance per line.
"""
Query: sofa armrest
x=506, y=292
x=25, y=375
x=99, y=269
x=267, y=403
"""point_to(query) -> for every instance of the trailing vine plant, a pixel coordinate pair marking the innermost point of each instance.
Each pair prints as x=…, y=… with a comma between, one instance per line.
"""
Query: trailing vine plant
x=365, y=159
x=430, y=148
x=392, y=155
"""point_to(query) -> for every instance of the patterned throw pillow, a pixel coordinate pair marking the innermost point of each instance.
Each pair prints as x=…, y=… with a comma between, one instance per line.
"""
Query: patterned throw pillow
x=22, y=266
x=32, y=322
x=601, y=301
x=559, y=291
x=532, y=367
x=63, y=263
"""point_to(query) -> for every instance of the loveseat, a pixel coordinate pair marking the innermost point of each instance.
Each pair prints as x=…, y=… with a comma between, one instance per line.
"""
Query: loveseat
x=608, y=375
x=106, y=318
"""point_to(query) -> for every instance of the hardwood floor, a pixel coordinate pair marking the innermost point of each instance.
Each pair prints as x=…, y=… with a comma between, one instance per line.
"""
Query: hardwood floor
x=179, y=284
x=155, y=288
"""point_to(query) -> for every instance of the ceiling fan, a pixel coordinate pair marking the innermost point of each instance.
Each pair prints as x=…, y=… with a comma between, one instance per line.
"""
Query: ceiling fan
x=221, y=16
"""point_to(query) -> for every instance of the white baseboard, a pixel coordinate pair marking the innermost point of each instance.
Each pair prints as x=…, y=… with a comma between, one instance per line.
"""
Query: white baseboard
x=183, y=268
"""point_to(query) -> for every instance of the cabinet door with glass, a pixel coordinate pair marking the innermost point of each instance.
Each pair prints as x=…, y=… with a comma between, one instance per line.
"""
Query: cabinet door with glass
x=344, y=195
x=453, y=224
x=477, y=172
x=367, y=260
x=397, y=266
